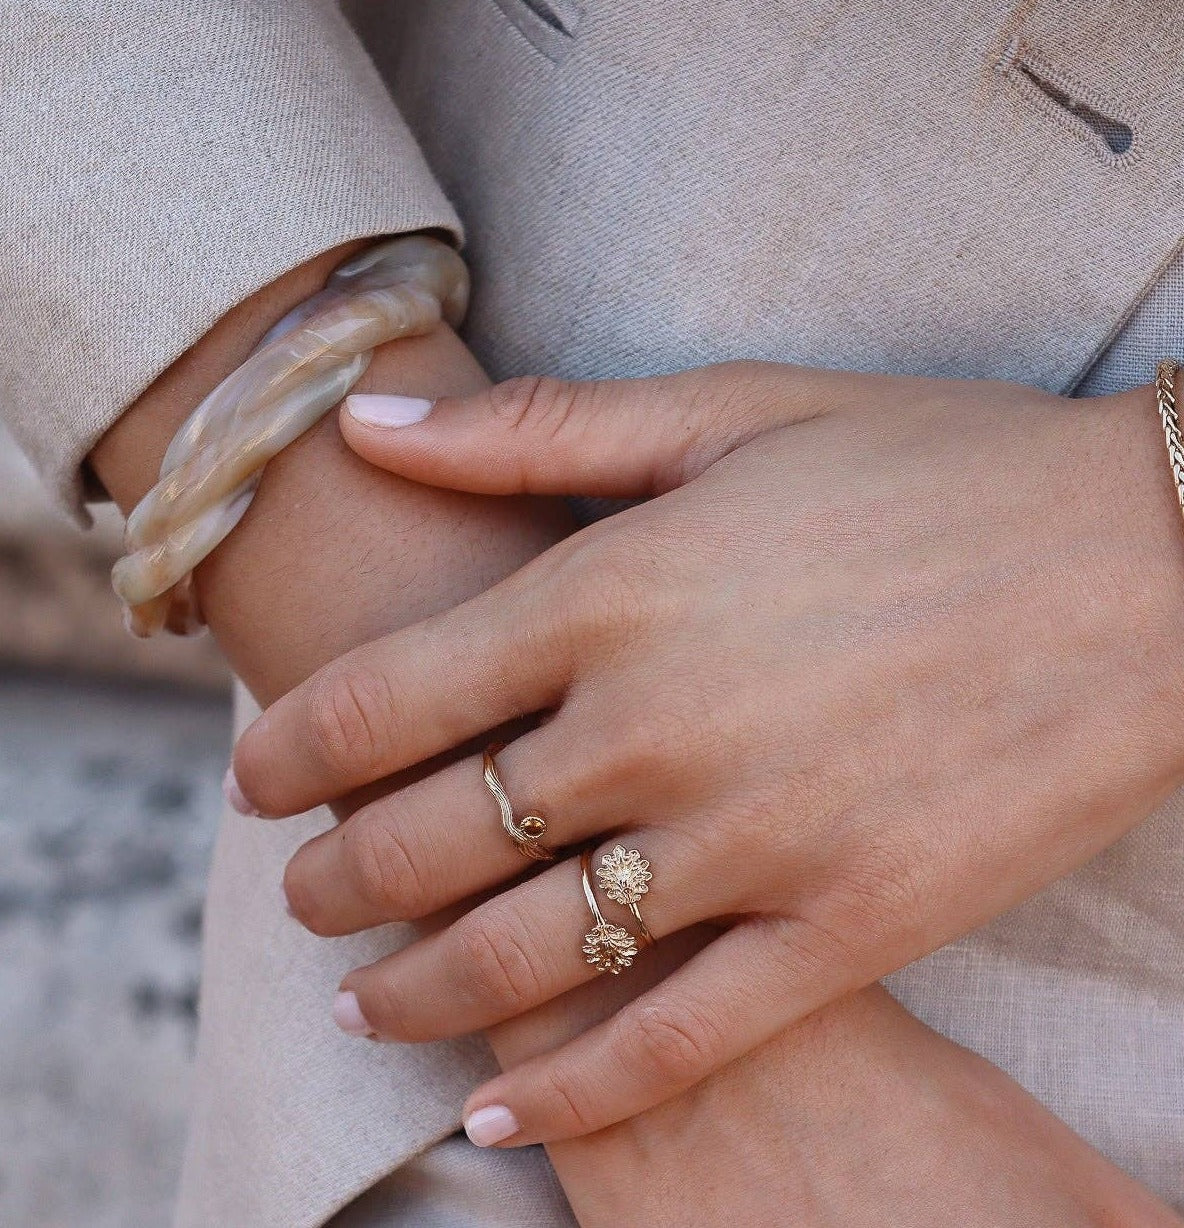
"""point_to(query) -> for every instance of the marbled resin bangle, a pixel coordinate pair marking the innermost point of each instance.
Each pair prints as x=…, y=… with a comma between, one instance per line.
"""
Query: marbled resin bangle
x=303, y=367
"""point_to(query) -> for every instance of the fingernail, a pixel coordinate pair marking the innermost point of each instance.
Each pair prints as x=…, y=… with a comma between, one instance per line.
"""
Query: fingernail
x=376, y=410
x=347, y=1014
x=235, y=797
x=490, y=1125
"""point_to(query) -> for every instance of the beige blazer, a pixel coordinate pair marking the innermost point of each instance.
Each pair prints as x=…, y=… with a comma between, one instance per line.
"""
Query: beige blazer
x=967, y=189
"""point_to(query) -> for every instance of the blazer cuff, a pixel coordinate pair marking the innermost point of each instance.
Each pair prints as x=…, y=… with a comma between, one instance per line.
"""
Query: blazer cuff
x=170, y=161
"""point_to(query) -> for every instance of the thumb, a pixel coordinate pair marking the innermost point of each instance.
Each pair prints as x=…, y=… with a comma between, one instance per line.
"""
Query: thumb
x=605, y=438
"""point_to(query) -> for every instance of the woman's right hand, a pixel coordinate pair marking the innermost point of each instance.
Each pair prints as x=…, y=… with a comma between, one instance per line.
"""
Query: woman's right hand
x=859, y=1117
x=849, y=711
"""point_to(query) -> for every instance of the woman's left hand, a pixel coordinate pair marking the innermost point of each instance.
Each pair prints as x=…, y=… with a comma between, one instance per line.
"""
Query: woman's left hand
x=885, y=657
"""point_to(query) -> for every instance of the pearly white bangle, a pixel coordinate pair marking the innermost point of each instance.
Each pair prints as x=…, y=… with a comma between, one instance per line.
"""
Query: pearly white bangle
x=302, y=368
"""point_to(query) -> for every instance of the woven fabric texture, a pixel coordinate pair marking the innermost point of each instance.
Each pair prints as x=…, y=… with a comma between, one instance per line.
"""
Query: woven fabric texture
x=161, y=164
x=644, y=187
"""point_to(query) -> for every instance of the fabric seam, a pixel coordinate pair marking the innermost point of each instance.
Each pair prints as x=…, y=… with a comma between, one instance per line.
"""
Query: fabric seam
x=1079, y=376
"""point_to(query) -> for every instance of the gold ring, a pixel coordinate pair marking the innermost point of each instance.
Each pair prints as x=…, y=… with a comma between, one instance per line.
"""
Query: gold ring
x=624, y=876
x=607, y=947
x=525, y=832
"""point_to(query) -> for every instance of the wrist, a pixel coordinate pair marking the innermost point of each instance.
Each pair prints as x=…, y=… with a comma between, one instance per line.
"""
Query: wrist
x=127, y=458
x=1151, y=589
x=1124, y=580
x=333, y=551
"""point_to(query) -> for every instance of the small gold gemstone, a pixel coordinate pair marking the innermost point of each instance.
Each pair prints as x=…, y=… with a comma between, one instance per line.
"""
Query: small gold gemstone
x=533, y=826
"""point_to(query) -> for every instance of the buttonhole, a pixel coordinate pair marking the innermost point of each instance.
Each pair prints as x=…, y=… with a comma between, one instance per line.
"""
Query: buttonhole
x=544, y=12
x=1118, y=136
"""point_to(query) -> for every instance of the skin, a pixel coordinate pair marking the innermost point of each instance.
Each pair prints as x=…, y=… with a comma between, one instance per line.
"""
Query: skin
x=859, y=1117
x=882, y=652
x=335, y=552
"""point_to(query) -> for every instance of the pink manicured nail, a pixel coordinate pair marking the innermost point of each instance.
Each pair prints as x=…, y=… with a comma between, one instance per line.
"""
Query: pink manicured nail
x=490, y=1125
x=347, y=1014
x=376, y=410
x=236, y=797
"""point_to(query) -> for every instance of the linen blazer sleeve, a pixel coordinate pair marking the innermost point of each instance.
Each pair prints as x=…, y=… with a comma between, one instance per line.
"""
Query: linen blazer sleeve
x=161, y=162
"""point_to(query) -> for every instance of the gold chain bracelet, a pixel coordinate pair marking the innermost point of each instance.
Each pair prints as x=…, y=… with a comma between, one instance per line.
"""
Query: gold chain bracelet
x=1165, y=400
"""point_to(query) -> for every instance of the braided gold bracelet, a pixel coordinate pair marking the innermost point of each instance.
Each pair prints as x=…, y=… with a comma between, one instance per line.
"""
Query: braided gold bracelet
x=1165, y=400
x=302, y=368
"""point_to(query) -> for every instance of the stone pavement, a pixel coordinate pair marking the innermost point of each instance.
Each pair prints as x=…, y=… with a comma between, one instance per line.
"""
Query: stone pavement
x=108, y=796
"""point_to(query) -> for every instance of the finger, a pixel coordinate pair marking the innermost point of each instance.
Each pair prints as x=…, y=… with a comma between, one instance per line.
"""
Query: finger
x=610, y=438
x=441, y=839
x=404, y=698
x=525, y=946
x=740, y=991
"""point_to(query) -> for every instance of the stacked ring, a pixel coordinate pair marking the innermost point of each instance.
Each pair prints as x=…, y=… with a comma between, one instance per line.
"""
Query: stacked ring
x=607, y=947
x=525, y=832
x=624, y=876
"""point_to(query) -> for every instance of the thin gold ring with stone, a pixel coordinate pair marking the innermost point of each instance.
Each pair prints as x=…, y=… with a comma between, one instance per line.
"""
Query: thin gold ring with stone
x=624, y=876
x=527, y=831
x=607, y=947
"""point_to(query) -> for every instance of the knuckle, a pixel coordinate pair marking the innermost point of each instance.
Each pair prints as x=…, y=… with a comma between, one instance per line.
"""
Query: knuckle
x=382, y=867
x=878, y=898
x=868, y=919
x=643, y=747
x=807, y=949
x=620, y=601
x=605, y=588
x=496, y=962
x=567, y=1109
x=614, y=589
x=677, y=1044
x=536, y=402
x=735, y=397
x=658, y=752
x=352, y=720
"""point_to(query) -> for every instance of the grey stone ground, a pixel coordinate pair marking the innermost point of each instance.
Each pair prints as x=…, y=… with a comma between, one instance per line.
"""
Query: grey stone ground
x=108, y=796
x=107, y=802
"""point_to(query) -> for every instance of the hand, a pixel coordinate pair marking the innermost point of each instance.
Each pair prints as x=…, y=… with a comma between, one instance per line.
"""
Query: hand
x=858, y=1117
x=885, y=657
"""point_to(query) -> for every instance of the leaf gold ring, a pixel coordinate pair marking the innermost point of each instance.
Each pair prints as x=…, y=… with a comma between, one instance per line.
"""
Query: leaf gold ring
x=527, y=831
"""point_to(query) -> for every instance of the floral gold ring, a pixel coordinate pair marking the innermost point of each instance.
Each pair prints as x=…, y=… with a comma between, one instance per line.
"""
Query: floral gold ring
x=607, y=947
x=624, y=876
x=526, y=832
